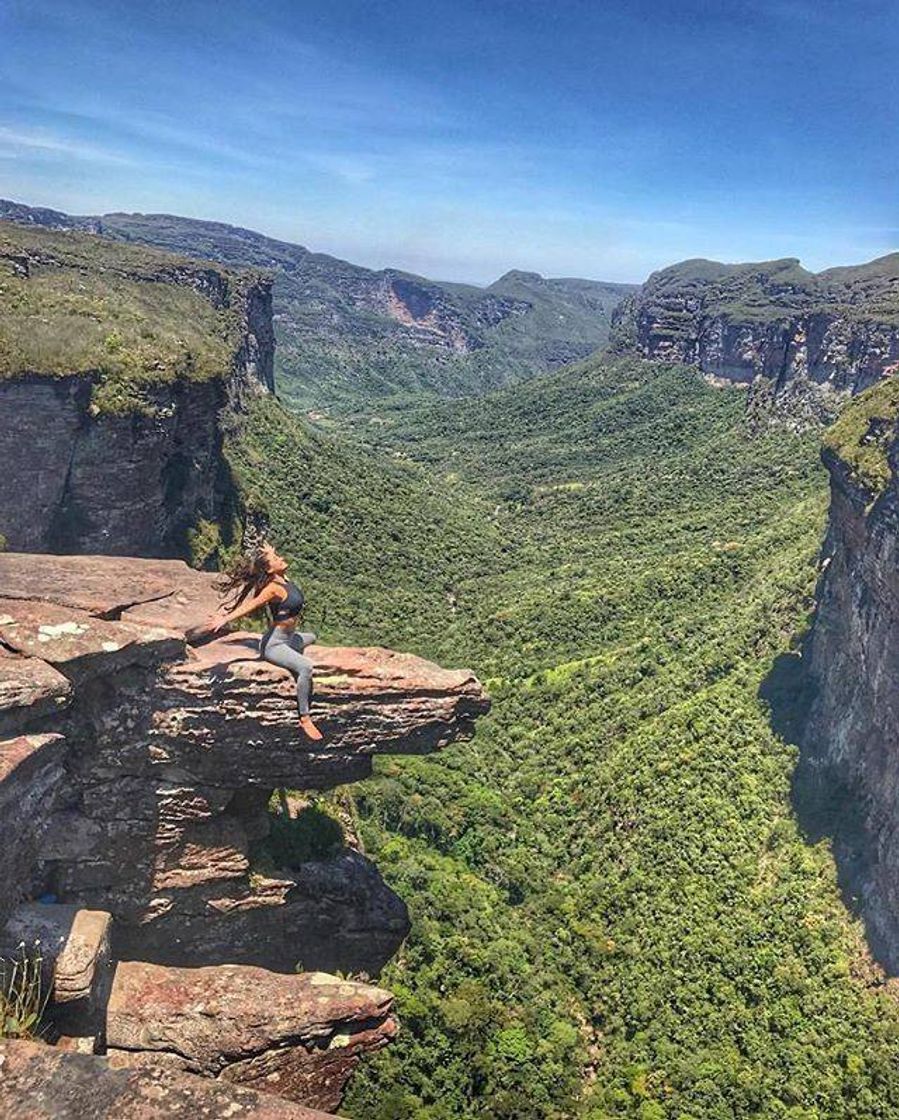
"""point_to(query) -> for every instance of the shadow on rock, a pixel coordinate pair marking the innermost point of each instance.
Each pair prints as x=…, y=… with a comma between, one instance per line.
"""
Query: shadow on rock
x=826, y=806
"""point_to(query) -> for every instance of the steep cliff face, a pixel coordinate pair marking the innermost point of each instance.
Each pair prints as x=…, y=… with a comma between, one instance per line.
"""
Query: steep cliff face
x=136, y=774
x=116, y=369
x=348, y=334
x=807, y=340
x=848, y=781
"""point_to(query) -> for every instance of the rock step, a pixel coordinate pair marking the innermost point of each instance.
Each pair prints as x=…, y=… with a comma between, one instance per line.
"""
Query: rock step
x=30, y=690
x=43, y=1083
x=73, y=945
x=299, y=1036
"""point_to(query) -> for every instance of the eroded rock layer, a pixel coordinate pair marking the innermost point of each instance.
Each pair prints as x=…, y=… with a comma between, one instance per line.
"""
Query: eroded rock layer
x=172, y=753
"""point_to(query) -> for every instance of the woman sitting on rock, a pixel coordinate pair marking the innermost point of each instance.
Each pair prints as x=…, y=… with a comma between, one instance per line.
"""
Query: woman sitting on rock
x=259, y=581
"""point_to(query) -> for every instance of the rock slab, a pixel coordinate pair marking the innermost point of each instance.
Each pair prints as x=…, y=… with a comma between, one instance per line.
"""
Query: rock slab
x=297, y=1036
x=41, y=1082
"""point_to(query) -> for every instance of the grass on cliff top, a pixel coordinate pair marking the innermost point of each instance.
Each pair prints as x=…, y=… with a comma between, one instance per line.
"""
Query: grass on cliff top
x=87, y=305
x=765, y=292
x=863, y=433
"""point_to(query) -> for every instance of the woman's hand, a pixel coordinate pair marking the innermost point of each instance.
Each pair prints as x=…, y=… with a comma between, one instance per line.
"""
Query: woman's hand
x=217, y=622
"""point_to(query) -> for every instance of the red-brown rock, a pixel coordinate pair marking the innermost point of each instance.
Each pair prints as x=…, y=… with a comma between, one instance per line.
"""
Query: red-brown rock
x=153, y=805
x=39, y=1082
x=78, y=644
x=30, y=690
x=298, y=1036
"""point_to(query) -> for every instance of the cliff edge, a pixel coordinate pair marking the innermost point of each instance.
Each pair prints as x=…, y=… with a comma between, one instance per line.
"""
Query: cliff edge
x=848, y=780
x=117, y=366
x=136, y=777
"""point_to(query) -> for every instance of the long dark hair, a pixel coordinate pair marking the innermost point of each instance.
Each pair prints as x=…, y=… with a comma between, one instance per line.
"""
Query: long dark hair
x=246, y=576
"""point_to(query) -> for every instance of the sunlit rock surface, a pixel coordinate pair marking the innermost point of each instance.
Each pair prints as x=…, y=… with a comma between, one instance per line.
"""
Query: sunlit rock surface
x=135, y=782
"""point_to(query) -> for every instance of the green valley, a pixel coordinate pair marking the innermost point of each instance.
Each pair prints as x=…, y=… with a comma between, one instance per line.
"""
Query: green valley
x=614, y=911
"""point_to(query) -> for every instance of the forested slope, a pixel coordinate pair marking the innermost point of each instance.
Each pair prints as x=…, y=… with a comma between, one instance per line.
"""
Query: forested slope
x=614, y=913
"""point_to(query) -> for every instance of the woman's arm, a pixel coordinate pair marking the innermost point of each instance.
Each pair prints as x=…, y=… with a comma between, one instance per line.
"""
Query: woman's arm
x=220, y=621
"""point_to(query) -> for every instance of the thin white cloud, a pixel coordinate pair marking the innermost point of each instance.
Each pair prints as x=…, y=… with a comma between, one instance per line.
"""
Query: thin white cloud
x=13, y=142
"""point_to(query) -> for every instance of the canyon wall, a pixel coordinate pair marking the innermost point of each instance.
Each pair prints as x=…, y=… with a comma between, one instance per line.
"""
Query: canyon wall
x=801, y=341
x=136, y=778
x=121, y=444
x=847, y=784
x=351, y=334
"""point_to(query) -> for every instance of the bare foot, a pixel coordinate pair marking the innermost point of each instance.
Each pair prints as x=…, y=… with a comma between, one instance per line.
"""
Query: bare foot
x=309, y=728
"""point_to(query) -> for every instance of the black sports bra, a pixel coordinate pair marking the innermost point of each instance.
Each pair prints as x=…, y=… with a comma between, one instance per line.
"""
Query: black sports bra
x=286, y=610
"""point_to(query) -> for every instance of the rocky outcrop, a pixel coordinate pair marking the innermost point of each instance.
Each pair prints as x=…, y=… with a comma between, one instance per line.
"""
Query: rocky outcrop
x=41, y=1083
x=135, y=782
x=135, y=466
x=803, y=341
x=848, y=781
x=297, y=1036
x=172, y=755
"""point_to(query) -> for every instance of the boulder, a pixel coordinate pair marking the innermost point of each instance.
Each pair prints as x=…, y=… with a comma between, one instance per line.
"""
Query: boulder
x=73, y=945
x=155, y=593
x=297, y=1036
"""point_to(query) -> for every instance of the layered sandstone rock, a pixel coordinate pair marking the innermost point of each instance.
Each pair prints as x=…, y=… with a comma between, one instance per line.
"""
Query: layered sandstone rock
x=803, y=341
x=173, y=753
x=41, y=1083
x=135, y=789
x=297, y=1036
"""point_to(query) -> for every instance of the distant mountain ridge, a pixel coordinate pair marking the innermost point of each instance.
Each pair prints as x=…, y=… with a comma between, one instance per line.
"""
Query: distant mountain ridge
x=805, y=340
x=347, y=334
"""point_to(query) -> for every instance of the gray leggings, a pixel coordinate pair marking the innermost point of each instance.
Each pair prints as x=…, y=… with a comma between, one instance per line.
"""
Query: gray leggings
x=285, y=648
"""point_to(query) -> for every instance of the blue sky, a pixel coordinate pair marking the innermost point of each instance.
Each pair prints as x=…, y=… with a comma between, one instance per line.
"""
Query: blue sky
x=459, y=139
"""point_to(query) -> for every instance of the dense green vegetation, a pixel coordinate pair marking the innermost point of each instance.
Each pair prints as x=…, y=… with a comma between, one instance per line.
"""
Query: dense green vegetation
x=347, y=334
x=864, y=432
x=380, y=551
x=614, y=912
x=72, y=303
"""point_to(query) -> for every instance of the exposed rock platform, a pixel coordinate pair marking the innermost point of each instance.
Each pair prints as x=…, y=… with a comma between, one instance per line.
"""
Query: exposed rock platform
x=137, y=762
x=42, y=1083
